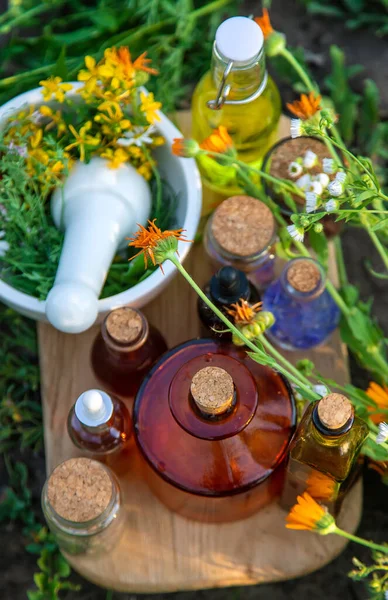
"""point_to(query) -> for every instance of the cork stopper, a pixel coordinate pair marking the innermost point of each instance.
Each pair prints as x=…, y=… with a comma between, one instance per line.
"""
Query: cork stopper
x=304, y=275
x=334, y=411
x=124, y=325
x=212, y=389
x=243, y=225
x=79, y=489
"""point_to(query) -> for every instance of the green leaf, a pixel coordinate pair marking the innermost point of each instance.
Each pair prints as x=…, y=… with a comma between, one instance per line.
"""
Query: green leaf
x=60, y=68
x=306, y=394
x=40, y=580
x=61, y=565
x=350, y=294
x=380, y=225
x=327, y=10
x=318, y=242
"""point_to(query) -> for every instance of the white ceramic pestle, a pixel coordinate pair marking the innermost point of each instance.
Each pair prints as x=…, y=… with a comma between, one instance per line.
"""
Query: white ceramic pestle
x=98, y=208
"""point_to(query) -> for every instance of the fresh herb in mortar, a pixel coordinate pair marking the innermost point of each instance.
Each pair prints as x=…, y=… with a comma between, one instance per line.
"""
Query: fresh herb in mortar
x=107, y=116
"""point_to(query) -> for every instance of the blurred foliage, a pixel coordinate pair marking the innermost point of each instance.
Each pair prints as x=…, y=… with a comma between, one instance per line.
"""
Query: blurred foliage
x=375, y=576
x=355, y=14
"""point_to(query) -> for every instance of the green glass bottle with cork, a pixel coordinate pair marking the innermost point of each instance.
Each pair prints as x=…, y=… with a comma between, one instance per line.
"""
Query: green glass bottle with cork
x=237, y=94
x=323, y=454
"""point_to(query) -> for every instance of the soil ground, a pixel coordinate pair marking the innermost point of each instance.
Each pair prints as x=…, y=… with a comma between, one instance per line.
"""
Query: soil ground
x=331, y=582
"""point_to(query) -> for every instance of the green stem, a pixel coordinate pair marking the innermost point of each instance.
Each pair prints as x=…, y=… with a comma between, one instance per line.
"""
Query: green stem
x=339, y=255
x=299, y=69
x=373, y=236
x=272, y=350
x=25, y=16
x=287, y=370
x=362, y=541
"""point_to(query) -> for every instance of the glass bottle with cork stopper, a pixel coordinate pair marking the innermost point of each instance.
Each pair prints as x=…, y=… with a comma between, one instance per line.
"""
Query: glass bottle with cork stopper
x=101, y=426
x=82, y=506
x=236, y=93
x=324, y=451
x=124, y=351
x=242, y=232
x=203, y=398
x=305, y=313
x=225, y=288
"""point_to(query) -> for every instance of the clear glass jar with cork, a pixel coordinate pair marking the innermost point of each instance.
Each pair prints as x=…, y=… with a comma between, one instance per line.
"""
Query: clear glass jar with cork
x=124, y=351
x=305, y=313
x=82, y=506
x=236, y=93
x=323, y=453
x=213, y=451
x=242, y=233
x=101, y=425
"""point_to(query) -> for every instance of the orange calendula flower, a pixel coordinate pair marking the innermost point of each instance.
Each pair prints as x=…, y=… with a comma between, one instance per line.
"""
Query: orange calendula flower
x=219, y=141
x=156, y=244
x=264, y=23
x=306, y=107
x=307, y=514
x=141, y=64
x=184, y=148
x=379, y=394
x=243, y=313
x=320, y=486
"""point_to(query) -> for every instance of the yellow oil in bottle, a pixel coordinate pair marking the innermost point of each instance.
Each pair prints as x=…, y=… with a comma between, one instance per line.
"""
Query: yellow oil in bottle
x=251, y=119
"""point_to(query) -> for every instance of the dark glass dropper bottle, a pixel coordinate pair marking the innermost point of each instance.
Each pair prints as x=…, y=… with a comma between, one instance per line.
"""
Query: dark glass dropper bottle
x=225, y=288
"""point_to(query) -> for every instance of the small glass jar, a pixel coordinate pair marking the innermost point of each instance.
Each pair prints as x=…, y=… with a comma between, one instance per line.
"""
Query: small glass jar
x=305, y=313
x=225, y=288
x=242, y=233
x=214, y=450
x=276, y=163
x=102, y=426
x=323, y=456
x=124, y=351
x=82, y=506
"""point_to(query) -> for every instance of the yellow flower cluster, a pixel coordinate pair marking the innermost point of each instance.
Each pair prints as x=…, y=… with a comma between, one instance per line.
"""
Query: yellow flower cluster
x=115, y=119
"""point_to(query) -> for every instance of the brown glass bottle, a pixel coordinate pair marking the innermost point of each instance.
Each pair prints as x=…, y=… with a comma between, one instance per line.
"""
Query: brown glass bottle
x=324, y=452
x=125, y=350
x=225, y=288
x=214, y=467
x=101, y=426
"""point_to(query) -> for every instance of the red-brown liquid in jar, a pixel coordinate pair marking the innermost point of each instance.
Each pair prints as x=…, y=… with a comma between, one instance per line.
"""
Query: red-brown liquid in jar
x=110, y=443
x=219, y=468
x=122, y=371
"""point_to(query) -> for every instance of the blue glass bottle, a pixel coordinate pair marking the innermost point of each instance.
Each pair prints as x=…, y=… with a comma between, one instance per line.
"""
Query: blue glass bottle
x=305, y=313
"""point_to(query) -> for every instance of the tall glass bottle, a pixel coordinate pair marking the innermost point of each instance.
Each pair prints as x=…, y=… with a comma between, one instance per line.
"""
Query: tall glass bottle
x=236, y=93
x=242, y=233
x=214, y=427
x=124, y=351
x=101, y=426
x=225, y=288
x=305, y=313
x=323, y=454
x=82, y=506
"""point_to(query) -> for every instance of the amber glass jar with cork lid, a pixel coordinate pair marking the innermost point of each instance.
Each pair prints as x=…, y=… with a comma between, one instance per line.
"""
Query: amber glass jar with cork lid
x=82, y=505
x=242, y=233
x=323, y=454
x=213, y=427
x=124, y=351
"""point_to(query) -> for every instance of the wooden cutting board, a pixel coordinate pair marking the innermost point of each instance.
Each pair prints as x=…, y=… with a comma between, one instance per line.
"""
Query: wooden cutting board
x=159, y=550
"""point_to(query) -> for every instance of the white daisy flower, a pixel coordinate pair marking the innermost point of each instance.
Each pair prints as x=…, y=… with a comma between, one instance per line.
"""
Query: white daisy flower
x=294, y=170
x=382, y=435
x=316, y=187
x=311, y=202
x=303, y=182
x=321, y=390
x=323, y=179
x=328, y=165
x=137, y=136
x=309, y=159
x=296, y=233
x=340, y=176
x=331, y=205
x=335, y=188
x=296, y=128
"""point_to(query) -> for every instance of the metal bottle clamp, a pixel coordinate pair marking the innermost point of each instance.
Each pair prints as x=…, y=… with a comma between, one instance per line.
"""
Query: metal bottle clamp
x=224, y=89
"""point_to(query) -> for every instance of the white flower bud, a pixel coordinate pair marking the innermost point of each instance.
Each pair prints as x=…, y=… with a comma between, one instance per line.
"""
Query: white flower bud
x=323, y=179
x=294, y=170
x=335, y=188
x=303, y=182
x=310, y=159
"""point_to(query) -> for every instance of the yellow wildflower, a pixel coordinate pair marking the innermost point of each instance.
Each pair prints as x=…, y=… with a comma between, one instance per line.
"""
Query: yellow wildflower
x=149, y=107
x=55, y=119
x=158, y=140
x=113, y=122
x=145, y=170
x=54, y=87
x=116, y=157
x=83, y=139
x=35, y=139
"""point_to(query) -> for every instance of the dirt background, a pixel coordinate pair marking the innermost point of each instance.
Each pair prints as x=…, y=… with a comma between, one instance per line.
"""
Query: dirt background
x=17, y=567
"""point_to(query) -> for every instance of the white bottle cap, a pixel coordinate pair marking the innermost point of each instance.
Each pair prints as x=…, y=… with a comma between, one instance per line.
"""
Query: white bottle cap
x=94, y=408
x=239, y=39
